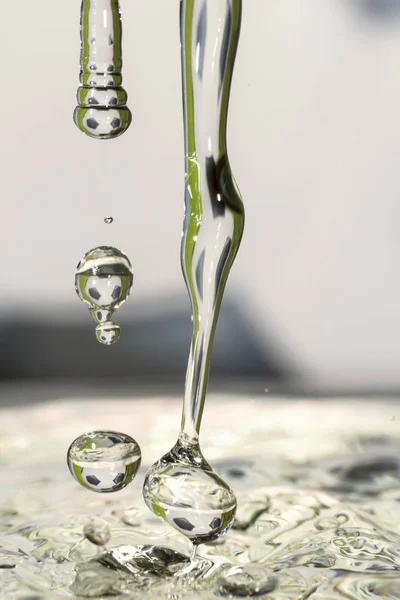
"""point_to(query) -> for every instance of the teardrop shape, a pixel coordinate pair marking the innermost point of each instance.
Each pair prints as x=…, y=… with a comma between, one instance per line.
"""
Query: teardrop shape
x=103, y=281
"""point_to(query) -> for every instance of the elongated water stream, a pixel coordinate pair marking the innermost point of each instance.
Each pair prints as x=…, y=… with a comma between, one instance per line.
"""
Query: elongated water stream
x=182, y=487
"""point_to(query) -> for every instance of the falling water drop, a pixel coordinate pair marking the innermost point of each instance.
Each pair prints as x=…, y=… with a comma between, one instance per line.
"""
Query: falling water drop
x=103, y=281
x=104, y=461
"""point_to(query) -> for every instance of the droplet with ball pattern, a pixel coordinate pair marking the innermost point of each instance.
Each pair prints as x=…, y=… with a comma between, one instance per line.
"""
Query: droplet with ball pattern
x=104, y=461
x=101, y=112
x=183, y=489
x=103, y=281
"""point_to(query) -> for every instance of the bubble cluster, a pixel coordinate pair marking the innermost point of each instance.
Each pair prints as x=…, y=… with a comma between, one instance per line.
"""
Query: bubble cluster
x=104, y=461
x=103, y=281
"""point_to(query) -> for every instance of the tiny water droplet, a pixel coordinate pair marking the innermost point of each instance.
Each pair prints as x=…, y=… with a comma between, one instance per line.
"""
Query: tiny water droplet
x=108, y=220
x=104, y=461
x=392, y=418
x=108, y=333
x=266, y=390
x=97, y=531
x=103, y=281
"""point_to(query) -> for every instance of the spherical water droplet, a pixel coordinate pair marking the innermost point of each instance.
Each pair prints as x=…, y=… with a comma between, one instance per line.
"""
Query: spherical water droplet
x=104, y=461
x=108, y=333
x=104, y=278
x=103, y=281
x=190, y=497
x=97, y=531
x=108, y=220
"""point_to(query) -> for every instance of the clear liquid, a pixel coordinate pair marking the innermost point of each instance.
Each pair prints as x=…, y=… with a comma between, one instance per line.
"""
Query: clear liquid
x=184, y=490
x=101, y=112
x=317, y=485
x=103, y=281
x=104, y=461
x=181, y=487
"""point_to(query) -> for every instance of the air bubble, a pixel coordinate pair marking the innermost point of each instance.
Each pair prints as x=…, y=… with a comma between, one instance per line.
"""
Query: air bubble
x=104, y=461
x=103, y=281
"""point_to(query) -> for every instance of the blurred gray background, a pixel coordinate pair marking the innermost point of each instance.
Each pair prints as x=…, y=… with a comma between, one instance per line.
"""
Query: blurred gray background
x=312, y=304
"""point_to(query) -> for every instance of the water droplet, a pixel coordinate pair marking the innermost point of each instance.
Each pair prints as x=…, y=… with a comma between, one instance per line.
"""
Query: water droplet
x=97, y=531
x=103, y=281
x=249, y=580
x=108, y=220
x=183, y=489
x=108, y=333
x=104, y=461
x=392, y=418
x=101, y=112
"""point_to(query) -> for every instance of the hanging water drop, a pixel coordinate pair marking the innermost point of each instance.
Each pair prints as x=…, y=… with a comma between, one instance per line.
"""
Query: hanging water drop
x=183, y=489
x=108, y=220
x=108, y=333
x=103, y=281
x=101, y=112
x=104, y=461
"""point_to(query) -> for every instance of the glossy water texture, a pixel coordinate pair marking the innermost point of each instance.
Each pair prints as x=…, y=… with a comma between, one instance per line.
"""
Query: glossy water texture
x=181, y=487
x=317, y=486
x=103, y=281
x=101, y=112
x=104, y=461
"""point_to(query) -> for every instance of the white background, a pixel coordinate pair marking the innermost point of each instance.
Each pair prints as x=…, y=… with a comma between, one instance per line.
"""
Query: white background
x=314, y=134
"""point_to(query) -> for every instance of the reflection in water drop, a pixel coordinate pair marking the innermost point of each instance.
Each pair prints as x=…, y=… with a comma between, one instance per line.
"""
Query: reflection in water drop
x=104, y=461
x=101, y=112
x=108, y=333
x=103, y=281
x=183, y=489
